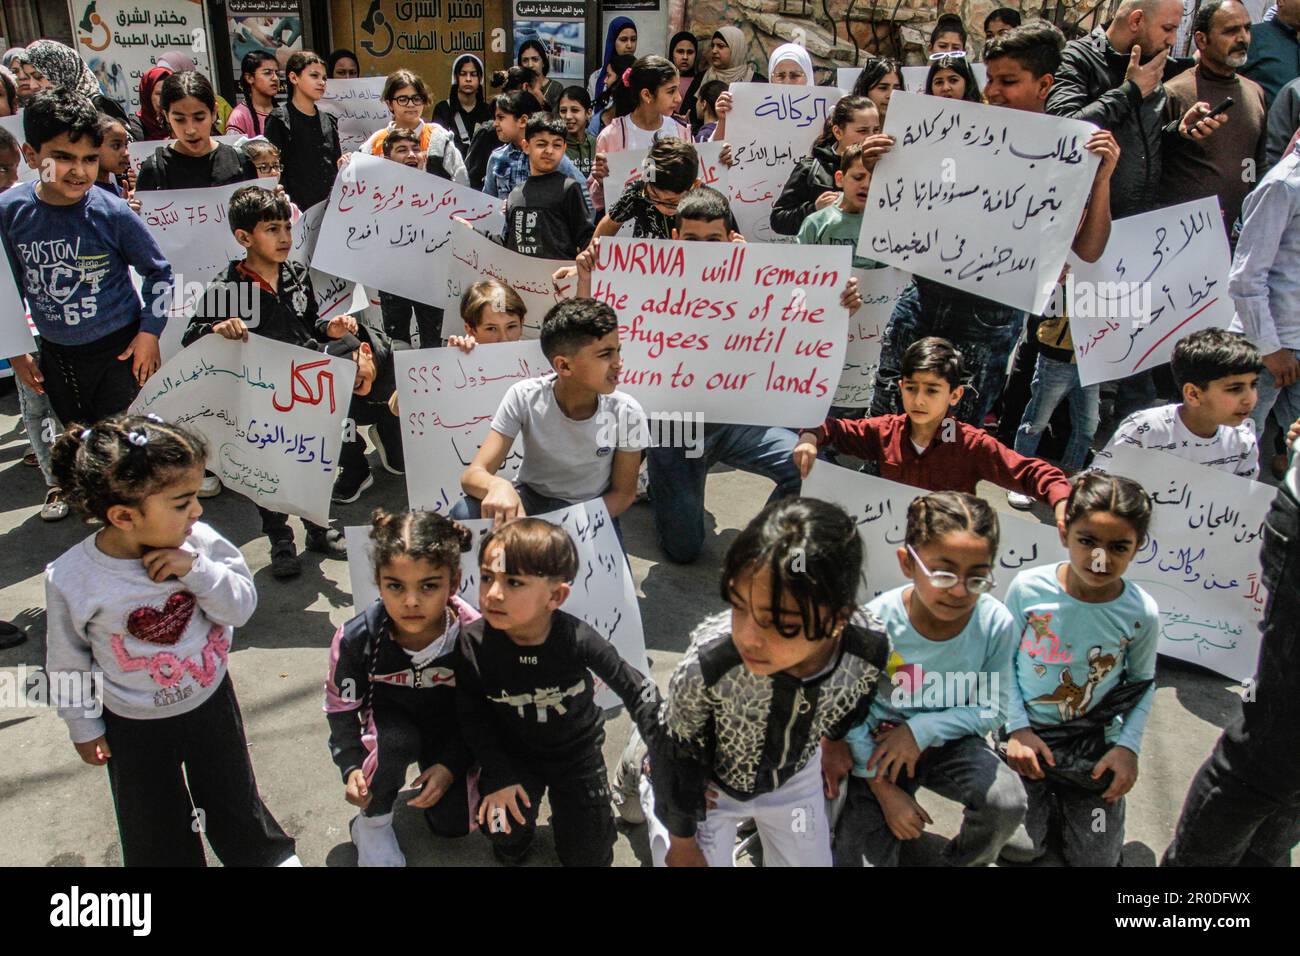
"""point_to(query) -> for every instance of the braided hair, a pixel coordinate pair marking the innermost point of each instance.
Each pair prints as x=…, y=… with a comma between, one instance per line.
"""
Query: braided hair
x=932, y=516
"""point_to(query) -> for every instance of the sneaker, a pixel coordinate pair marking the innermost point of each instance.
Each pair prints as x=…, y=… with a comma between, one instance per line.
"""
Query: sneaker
x=327, y=541
x=55, y=508
x=376, y=841
x=393, y=460
x=626, y=792
x=284, y=560
x=1018, y=501
x=11, y=635
x=348, y=490
x=211, y=486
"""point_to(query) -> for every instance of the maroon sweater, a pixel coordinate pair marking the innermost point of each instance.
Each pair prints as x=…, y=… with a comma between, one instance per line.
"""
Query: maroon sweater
x=943, y=466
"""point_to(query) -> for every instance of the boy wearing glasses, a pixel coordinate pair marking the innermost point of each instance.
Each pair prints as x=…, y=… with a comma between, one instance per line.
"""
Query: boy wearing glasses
x=670, y=171
x=546, y=214
x=927, y=448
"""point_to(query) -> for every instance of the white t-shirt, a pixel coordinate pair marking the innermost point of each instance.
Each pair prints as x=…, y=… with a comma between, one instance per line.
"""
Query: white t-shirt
x=1234, y=450
x=564, y=458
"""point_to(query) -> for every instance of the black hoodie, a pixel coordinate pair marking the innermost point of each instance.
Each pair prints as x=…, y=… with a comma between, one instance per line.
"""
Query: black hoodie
x=812, y=176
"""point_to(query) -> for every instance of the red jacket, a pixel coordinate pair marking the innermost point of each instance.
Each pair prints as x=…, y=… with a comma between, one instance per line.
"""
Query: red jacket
x=944, y=465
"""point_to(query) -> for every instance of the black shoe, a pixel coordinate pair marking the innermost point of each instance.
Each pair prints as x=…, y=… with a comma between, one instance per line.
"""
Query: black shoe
x=327, y=541
x=284, y=560
x=392, y=459
x=11, y=635
x=348, y=487
x=509, y=858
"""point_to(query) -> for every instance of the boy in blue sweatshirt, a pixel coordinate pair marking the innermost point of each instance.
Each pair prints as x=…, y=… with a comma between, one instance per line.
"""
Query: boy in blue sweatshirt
x=69, y=246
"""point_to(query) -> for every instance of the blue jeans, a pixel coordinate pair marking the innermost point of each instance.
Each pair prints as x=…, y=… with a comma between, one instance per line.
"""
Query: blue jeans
x=986, y=333
x=1283, y=402
x=36, y=412
x=677, y=482
x=1053, y=382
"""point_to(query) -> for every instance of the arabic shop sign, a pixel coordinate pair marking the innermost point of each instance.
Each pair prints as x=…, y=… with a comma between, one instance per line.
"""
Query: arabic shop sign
x=387, y=32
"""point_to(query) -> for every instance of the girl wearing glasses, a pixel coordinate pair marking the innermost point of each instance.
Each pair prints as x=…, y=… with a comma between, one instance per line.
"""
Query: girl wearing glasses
x=1084, y=676
x=406, y=95
x=950, y=668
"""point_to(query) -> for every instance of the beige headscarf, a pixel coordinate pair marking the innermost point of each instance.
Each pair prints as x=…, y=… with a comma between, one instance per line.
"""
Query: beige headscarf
x=741, y=70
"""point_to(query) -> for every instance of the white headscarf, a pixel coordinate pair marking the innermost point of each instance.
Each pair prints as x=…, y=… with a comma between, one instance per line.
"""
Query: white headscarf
x=791, y=51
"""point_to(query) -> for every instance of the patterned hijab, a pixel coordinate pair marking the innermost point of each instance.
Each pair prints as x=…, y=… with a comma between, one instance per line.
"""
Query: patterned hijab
x=60, y=65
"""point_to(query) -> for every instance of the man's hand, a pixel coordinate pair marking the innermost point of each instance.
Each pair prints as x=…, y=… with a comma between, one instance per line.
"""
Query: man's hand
x=1148, y=75
x=805, y=453
x=837, y=761
x=233, y=329
x=163, y=563
x=1103, y=144
x=94, y=752
x=357, y=793
x=145, y=356
x=684, y=851
x=340, y=326
x=435, y=781
x=1024, y=749
x=1283, y=366
x=1197, y=123
x=28, y=372
x=1124, y=763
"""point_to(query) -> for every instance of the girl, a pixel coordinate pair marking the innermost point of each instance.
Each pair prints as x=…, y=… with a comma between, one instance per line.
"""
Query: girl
x=56, y=64
x=405, y=95
x=620, y=40
x=521, y=78
x=307, y=137
x=952, y=78
x=706, y=102
x=150, y=602
x=266, y=163
x=532, y=55
x=604, y=109
x=794, y=661
x=580, y=145
x=684, y=50
x=878, y=81
x=949, y=34
x=1084, y=675
x=194, y=160
x=148, y=122
x=948, y=625
x=646, y=103
x=508, y=165
x=259, y=78
x=728, y=62
x=811, y=185
x=114, y=160
x=389, y=692
x=463, y=112
x=343, y=65
x=179, y=62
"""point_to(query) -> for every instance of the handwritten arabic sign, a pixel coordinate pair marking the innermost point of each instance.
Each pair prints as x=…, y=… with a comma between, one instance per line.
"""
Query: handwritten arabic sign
x=627, y=166
x=15, y=335
x=447, y=400
x=475, y=257
x=334, y=295
x=770, y=128
x=1164, y=275
x=1201, y=563
x=879, y=506
x=359, y=106
x=880, y=289
x=603, y=594
x=978, y=197
x=272, y=414
x=747, y=333
x=386, y=225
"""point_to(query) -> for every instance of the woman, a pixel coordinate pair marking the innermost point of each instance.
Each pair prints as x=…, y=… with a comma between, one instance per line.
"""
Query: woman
x=620, y=39
x=148, y=122
x=464, y=112
x=343, y=65
x=15, y=60
x=790, y=64
x=878, y=81
x=951, y=77
x=532, y=55
x=59, y=65
x=728, y=62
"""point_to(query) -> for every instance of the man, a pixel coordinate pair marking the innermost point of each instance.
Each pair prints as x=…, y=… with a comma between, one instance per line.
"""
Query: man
x=1274, y=59
x=1221, y=31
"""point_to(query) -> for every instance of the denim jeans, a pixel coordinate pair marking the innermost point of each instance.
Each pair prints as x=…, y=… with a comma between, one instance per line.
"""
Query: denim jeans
x=1243, y=807
x=1283, y=402
x=1053, y=382
x=396, y=314
x=677, y=482
x=1092, y=830
x=36, y=411
x=985, y=332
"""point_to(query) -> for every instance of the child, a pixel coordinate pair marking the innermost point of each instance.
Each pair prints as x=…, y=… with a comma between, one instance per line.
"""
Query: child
x=671, y=168
x=766, y=692
x=69, y=246
x=547, y=213
x=373, y=403
x=950, y=665
x=840, y=223
x=195, y=160
x=1086, y=663
x=812, y=184
x=579, y=145
x=948, y=35
x=307, y=137
x=114, y=159
x=463, y=112
x=645, y=101
x=951, y=77
x=405, y=95
x=604, y=108
x=510, y=164
x=526, y=698
x=284, y=309
x=492, y=312
x=390, y=693
x=582, y=438
x=877, y=82
x=150, y=602
x=1218, y=374
x=926, y=448
x=707, y=105
x=259, y=79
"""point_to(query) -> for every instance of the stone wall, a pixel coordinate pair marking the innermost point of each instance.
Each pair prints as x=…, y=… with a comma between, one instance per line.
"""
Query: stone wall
x=857, y=28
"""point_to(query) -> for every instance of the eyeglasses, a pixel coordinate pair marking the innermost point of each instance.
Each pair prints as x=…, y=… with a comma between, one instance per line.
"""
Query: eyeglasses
x=416, y=100
x=943, y=580
x=267, y=167
x=653, y=195
x=948, y=54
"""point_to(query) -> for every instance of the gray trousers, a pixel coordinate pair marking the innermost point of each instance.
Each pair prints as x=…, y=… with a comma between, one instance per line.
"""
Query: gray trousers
x=1092, y=830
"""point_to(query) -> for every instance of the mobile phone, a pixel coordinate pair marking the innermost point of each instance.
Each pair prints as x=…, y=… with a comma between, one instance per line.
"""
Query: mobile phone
x=1223, y=107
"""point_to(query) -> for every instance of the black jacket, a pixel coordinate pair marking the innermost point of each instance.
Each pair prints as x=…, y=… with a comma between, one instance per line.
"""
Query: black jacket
x=812, y=176
x=287, y=315
x=1090, y=85
x=309, y=160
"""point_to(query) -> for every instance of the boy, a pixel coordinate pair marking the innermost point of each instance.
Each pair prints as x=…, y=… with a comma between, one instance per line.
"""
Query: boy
x=924, y=447
x=284, y=309
x=546, y=215
x=1218, y=375
x=114, y=160
x=1020, y=66
x=373, y=394
x=579, y=145
x=582, y=438
x=69, y=245
x=402, y=145
x=526, y=700
x=671, y=169
x=840, y=223
x=509, y=164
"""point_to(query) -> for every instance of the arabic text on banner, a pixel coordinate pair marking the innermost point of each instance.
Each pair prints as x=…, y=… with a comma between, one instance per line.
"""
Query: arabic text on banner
x=475, y=257
x=880, y=290
x=359, y=107
x=15, y=334
x=334, y=295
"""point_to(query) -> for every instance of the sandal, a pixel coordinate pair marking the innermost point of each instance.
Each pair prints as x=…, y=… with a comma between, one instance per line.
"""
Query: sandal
x=55, y=507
